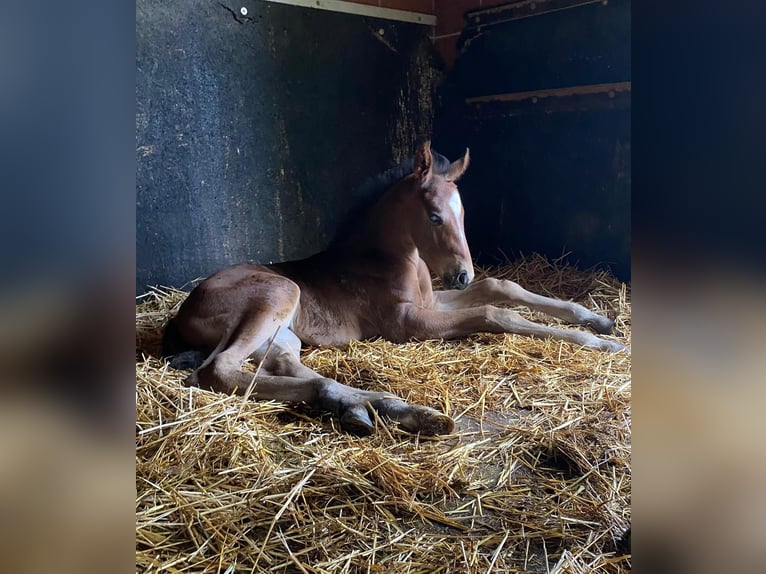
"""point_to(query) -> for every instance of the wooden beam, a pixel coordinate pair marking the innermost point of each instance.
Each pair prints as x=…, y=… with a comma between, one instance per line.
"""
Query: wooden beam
x=568, y=99
x=363, y=10
x=535, y=95
x=518, y=10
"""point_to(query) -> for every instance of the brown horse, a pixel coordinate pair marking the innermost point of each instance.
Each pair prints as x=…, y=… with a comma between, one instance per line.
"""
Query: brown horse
x=376, y=282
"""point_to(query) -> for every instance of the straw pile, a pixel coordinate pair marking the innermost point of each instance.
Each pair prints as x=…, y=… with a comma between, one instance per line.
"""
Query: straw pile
x=535, y=478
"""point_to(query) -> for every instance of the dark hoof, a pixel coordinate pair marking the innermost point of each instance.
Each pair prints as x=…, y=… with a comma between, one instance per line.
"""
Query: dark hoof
x=602, y=325
x=355, y=409
x=356, y=420
x=435, y=424
x=187, y=360
x=415, y=418
x=615, y=347
x=192, y=380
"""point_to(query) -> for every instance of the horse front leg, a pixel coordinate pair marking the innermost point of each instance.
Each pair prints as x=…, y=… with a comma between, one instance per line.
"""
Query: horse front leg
x=421, y=323
x=493, y=291
x=353, y=407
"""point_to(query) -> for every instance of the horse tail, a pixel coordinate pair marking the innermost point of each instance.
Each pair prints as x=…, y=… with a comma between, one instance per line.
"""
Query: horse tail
x=174, y=348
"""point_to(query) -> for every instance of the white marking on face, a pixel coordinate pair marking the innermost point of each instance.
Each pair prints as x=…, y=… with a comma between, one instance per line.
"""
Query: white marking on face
x=456, y=206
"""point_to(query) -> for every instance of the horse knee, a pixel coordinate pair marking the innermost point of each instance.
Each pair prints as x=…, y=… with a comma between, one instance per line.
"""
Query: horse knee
x=511, y=288
x=503, y=290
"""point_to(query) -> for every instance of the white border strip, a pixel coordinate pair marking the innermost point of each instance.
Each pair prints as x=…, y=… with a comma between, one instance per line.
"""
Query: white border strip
x=363, y=10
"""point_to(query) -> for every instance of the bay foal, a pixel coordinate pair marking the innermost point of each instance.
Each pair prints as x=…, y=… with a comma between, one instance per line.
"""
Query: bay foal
x=375, y=282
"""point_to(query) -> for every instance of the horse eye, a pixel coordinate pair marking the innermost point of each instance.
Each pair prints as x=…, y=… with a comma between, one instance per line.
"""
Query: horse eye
x=435, y=219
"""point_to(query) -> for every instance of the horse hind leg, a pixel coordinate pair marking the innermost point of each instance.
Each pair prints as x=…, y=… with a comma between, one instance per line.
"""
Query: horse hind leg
x=233, y=315
x=243, y=314
x=263, y=334
x=289, y=380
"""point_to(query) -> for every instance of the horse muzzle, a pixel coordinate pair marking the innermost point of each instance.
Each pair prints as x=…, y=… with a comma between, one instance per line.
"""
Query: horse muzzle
x=458, y=280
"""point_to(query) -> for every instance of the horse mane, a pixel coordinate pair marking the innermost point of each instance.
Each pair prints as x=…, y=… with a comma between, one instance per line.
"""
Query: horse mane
x=373, y=187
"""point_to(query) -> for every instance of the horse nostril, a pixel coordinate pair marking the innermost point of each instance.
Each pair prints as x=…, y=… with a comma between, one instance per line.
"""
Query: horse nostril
x=462, y=278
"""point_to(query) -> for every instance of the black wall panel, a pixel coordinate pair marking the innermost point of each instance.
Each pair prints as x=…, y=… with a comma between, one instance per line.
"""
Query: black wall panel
x=252, y=132
x=553, y=175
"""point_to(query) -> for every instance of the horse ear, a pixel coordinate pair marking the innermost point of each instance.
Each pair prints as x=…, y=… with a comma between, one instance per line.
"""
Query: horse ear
x=424, y=161
x=458, y=167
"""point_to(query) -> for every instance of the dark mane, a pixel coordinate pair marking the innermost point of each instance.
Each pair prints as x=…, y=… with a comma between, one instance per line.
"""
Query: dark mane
x=371, y=189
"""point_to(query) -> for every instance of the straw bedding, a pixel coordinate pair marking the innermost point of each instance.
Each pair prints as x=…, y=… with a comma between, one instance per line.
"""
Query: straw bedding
x=535, y=478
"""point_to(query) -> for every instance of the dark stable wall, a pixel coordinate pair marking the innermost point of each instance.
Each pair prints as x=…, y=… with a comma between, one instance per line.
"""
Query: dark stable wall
x=551, y=177
x=253, y=132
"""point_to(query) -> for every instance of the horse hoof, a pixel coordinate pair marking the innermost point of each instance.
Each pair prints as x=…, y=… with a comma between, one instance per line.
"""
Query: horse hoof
x=356, y=420
x=615, y=347
x=413, y=418
x=426, y=421
x=436, y=424
x=192, y=380
x=602, y=325
x=187, y=360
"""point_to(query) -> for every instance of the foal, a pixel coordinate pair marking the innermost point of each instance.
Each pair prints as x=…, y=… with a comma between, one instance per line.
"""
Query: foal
x=375, y=283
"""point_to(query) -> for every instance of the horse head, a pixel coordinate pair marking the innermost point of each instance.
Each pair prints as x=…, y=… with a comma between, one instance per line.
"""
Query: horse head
x=437, y=220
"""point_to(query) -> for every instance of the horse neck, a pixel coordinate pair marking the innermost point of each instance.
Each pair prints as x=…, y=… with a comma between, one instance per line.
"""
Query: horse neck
x=385, y=229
